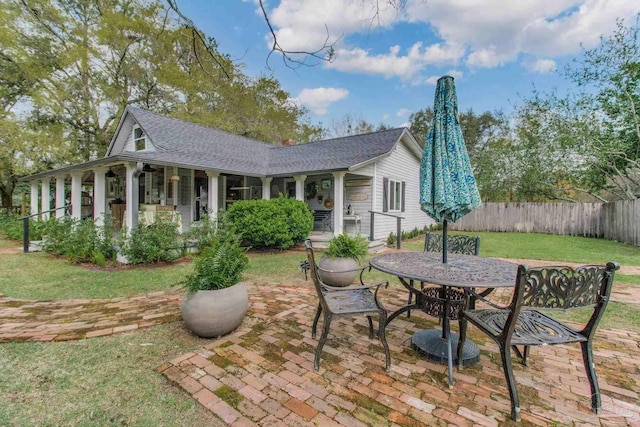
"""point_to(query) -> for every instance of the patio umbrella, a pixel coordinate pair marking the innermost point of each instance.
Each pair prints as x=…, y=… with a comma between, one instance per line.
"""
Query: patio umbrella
x=448, y=189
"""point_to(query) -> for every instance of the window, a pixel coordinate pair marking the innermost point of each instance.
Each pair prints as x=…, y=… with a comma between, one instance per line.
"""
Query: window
x=393, y=196
x=139, y=139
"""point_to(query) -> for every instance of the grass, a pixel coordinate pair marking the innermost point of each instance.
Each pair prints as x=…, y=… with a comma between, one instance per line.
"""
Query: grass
x=549, y=247
x=44, y=277
x=109, y=381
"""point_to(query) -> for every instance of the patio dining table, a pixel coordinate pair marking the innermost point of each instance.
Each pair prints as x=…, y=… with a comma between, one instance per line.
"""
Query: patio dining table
x=461, y=271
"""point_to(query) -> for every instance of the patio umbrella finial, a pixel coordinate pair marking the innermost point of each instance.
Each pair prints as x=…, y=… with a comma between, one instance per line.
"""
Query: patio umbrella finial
x=448, y=189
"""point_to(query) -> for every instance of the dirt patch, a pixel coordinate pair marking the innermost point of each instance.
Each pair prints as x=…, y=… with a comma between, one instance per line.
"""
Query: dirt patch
x=10, y=251
x=121, y=266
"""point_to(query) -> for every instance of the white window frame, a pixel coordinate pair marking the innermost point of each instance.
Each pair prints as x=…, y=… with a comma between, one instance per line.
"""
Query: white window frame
x=142, y=137
x=394, y=196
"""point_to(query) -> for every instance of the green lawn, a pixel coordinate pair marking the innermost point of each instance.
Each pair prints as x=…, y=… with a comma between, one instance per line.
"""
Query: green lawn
x=109, y=381
x=549, y=247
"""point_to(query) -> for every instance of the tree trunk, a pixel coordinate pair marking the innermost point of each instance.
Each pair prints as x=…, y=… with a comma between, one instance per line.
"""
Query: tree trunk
x=6, y=194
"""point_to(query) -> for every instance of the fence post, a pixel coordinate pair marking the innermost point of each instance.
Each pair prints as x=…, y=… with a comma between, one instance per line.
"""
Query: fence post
x=25, y=239
x=399, y=230
x=371, y=227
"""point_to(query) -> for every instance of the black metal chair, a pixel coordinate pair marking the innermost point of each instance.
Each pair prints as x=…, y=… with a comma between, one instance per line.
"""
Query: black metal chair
x=456, y=244
x=519, y=323
x=349, y=301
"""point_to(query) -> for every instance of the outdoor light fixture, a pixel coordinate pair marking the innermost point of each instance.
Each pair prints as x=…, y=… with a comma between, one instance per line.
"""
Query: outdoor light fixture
x=110, y=174
x=147, y=168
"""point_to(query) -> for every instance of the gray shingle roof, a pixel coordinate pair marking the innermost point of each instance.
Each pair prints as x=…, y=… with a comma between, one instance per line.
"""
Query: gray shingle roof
x=186, y=143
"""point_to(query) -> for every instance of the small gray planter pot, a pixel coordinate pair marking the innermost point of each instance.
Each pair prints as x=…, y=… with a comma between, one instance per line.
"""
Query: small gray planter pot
x=334, y=271
x=215, y=313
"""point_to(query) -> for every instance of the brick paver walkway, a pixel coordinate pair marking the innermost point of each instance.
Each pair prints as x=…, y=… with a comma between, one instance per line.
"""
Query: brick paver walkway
x=29, y=320
x=262, y=374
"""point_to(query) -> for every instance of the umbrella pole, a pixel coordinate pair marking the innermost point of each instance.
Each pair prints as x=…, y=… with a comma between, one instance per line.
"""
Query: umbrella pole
x=444, y=241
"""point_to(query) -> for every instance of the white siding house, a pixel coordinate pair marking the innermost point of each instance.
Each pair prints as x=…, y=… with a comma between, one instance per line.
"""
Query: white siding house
x=157, y=163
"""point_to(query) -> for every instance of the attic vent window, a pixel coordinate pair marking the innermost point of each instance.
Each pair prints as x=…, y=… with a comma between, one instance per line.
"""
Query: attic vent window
x=139, y=139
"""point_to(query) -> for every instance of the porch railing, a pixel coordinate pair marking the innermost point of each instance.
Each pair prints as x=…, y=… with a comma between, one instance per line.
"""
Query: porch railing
x=398, y=226
x=25, y=226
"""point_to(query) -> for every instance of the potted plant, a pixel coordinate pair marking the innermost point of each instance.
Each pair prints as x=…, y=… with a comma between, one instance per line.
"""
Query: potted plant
x=215, y=300
x=339, y=265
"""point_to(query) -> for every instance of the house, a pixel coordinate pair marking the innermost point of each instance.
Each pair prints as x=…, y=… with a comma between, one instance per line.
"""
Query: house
x=158, y=163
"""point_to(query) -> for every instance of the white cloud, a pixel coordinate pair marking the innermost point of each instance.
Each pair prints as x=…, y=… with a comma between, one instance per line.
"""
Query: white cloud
x=393, y=63
x=319, y=99
x=478, y=33
x=403, y=112
x=541, y=65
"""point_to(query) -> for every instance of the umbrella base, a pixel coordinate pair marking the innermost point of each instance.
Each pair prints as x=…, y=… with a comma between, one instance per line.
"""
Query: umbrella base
x=429, y=343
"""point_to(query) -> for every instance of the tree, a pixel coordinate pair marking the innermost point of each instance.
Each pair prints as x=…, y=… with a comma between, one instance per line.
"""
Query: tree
x=349, y=124
x=587, y=142
x=72, y=66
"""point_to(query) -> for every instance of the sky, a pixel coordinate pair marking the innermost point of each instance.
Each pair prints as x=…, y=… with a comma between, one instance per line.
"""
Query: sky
x=387, y=61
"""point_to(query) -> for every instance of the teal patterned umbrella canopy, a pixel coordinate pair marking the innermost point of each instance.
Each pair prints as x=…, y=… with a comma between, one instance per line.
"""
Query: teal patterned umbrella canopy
x=448, y=189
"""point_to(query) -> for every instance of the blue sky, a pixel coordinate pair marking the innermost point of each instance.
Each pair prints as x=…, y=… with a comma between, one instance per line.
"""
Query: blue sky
x=386, y=68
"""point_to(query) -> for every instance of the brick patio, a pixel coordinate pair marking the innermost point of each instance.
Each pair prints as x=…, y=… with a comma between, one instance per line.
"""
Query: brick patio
x=262, y=374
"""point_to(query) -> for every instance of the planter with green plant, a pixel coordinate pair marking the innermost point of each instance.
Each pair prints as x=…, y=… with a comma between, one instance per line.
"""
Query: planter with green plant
x=216, y=300
x=339, y=265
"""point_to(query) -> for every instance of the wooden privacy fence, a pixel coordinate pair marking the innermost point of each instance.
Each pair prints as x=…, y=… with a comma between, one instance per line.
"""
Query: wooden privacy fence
x=615, y=221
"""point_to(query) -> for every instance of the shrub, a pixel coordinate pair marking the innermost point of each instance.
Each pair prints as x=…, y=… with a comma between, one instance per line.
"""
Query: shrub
x=80, y=240
x=345, y=246
x=202, y=232
x=13, y=227
x=151, y=243
x=219, y=265
x=275, y=223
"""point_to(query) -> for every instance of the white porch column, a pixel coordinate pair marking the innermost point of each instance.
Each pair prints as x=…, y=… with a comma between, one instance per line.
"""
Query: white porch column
x=131, y=196
x=212, y=194
x=338, y=208
x=46, y=197
x=60, y=197
x=34, y=197
x=76, y=195
x=266, y=187
x=174, y=179
x=99, y=195
x=300, y=186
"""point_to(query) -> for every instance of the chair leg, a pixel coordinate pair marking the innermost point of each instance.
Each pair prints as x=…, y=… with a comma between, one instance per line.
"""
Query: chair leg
x=587, y=356
x=370, y=327
x=505, y=354
x=462, y=324
x=383, y=337
x=315, y=321
x=323, y=339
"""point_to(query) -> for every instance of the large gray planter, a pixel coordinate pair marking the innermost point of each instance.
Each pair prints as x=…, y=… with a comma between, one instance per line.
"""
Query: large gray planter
x=335, y=271
x=214, y=313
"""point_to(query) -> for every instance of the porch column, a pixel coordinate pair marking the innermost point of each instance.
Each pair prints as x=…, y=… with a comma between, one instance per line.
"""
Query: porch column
x=99, y=196
x=266, y=187
x=76, y=195
x=60, y=213
x=34, y=197
x=132, y=172
x=174, y=179
x=300, y=186
x=46, y=197
x=212, y=195
x=338, y=208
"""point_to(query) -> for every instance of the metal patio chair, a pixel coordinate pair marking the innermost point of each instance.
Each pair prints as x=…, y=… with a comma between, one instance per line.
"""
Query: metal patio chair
x=520, y=324
x=349, y=301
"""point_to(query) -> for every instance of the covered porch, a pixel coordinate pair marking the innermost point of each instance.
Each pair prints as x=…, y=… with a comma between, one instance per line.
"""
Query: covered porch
x=131, y=192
